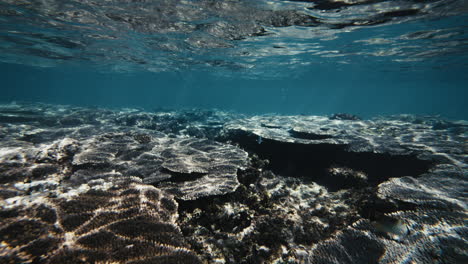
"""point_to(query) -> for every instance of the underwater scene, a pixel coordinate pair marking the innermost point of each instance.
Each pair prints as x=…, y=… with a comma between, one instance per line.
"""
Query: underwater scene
x=234, y=131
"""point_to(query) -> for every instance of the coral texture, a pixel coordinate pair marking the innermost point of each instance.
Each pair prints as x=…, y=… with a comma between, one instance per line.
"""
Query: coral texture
x=80, y=185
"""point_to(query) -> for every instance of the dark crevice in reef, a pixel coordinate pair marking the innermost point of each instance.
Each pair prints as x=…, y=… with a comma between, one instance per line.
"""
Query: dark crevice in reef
x=309, y=136
x=181, y=176
x=269, y=126
x=317, y=162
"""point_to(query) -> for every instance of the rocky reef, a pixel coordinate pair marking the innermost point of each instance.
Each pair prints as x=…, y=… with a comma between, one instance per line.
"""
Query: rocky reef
x=88, y=185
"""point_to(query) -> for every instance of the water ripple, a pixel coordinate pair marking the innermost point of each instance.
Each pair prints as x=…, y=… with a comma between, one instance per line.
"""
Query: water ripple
x=255, y=38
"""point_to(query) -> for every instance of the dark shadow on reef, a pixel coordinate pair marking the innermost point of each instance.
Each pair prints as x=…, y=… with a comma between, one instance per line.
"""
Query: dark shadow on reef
x=331, y=165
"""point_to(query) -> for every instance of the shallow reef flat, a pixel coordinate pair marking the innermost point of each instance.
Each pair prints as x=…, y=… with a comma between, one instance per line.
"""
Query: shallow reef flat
x=91, y=185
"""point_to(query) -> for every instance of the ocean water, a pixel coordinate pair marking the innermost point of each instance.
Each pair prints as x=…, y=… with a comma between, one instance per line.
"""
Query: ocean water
x=287, y=57
x=233, y=131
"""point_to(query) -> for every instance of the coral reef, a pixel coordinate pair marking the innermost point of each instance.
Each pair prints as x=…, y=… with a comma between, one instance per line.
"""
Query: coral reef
x=82, y=185
x=127, y=222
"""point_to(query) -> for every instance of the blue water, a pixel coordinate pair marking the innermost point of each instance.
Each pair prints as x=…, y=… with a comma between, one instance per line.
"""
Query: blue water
x=363, y=59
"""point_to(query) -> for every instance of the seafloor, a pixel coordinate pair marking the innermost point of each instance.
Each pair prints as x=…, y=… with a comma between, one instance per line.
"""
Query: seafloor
x=90, y=185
